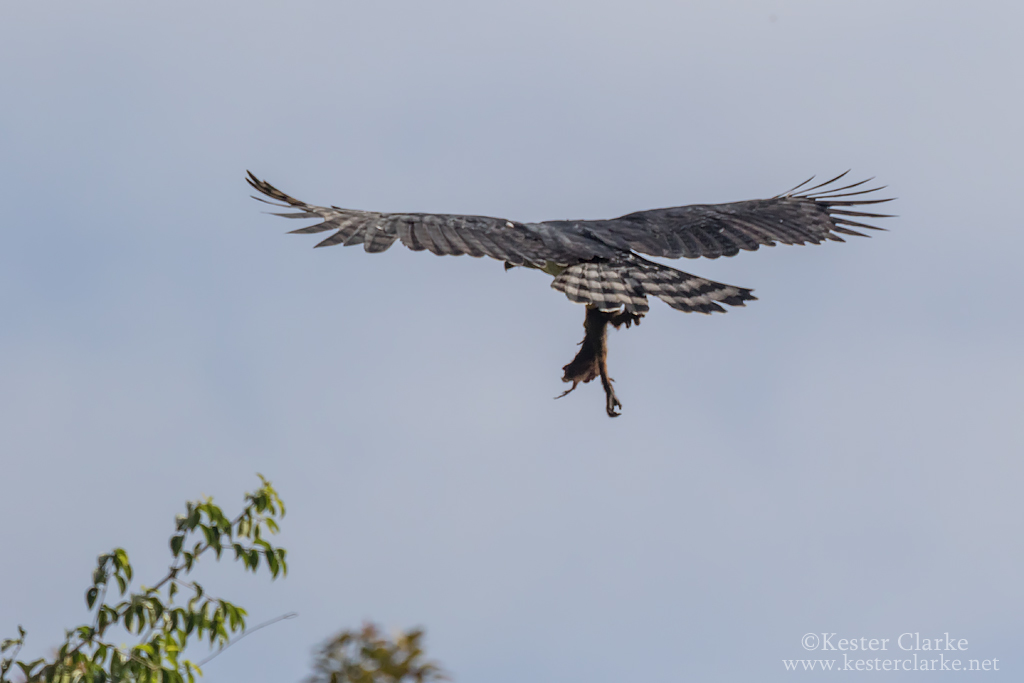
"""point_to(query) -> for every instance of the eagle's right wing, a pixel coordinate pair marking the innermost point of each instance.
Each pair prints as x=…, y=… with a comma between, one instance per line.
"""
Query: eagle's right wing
x=442, y=234
x=819, y=213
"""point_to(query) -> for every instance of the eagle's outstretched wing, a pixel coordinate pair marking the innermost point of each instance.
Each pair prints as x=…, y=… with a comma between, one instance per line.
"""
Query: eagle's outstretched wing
x=818, y=213
x=442, y=234
x=813, y=215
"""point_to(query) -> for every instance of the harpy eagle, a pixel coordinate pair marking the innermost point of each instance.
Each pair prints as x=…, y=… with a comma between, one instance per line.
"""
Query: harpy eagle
x=598, y=263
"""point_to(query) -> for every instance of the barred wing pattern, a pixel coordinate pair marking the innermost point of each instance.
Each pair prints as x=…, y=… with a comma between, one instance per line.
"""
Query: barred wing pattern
x=815, y=214
x=442, y=234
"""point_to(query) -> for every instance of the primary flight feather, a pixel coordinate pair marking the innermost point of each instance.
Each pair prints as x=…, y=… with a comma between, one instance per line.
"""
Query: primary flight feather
x=598, y=262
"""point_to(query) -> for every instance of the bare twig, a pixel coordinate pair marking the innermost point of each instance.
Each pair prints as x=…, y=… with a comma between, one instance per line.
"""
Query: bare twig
x=290, y=615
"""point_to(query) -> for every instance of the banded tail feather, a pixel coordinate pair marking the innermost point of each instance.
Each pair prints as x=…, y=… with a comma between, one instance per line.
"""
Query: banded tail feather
x=612, y=286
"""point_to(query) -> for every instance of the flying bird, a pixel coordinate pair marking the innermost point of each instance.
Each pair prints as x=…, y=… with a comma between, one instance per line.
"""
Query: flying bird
x=599, y=263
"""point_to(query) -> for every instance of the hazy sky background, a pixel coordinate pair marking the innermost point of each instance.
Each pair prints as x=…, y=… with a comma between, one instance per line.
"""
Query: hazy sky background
x=843, y=455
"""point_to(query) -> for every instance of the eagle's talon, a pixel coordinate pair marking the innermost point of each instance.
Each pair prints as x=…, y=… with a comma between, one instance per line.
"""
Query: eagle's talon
x=624, y=318
x=611, y=402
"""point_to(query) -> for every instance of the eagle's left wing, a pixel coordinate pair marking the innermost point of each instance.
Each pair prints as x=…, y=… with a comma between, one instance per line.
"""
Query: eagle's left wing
x=442, y=234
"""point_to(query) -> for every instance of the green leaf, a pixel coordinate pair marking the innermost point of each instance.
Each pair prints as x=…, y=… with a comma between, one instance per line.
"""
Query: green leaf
x=91, y=595
x=272, y=563
x=28, y=669
x=176, y=542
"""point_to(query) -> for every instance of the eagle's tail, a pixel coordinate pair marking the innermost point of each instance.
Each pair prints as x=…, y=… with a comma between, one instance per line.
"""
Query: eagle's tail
x=625, y=285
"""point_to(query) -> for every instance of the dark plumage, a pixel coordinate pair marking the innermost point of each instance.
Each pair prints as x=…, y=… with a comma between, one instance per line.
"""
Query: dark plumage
x=598, y=262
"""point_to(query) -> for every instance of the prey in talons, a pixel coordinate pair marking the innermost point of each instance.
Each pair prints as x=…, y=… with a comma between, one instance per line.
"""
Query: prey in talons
x=592, y=359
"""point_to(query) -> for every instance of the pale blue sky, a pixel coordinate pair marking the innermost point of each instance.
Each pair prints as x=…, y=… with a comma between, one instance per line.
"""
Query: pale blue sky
x=842, y=455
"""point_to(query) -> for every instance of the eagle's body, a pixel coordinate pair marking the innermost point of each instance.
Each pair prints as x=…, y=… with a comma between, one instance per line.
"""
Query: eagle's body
x=598, y=262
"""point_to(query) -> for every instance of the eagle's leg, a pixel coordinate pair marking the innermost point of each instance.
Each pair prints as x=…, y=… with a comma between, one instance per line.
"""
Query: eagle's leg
x=592, y=360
